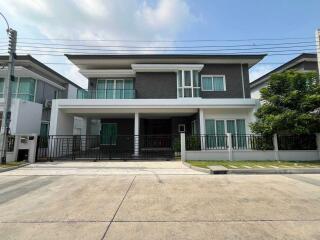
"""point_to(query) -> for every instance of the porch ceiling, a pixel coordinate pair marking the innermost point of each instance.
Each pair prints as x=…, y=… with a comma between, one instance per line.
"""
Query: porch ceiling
x=112, y=112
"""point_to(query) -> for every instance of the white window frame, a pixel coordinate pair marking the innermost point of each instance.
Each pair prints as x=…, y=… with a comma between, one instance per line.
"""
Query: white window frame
x=187, y=87
x=225, y=123
x=114, y=85
x=212, y=76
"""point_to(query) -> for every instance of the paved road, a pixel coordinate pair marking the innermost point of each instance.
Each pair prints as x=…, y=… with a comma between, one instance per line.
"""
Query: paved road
x=157, y=200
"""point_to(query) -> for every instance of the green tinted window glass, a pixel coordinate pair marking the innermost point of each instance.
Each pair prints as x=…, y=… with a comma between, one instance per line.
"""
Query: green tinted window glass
x=218, y=84
x=101, y=91
x=207, y=84
x=241, y=131
x=108, y=133
x=187, y=78
x=44, y=129
x=195, y=78
x=26, y=89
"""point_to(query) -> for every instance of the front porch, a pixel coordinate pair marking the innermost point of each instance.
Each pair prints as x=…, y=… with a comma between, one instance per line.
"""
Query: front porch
x=147, y=128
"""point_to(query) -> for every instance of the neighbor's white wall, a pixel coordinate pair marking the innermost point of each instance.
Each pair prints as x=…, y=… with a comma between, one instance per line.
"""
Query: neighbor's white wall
x=229, y=114
x=25, y=117
x=72, y=91
x=255, y=92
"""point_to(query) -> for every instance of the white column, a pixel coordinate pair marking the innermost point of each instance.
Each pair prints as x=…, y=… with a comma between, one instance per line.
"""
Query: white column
x=136, y=133
x=183, y=146
x=202, y=128
x=276, y=147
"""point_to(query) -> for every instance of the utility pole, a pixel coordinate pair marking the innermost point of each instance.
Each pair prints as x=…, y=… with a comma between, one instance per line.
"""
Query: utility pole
x=6, y=114
x=318, y=49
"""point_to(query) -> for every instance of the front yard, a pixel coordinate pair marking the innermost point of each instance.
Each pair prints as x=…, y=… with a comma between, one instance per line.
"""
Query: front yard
x=255, y=164
x=11, y=164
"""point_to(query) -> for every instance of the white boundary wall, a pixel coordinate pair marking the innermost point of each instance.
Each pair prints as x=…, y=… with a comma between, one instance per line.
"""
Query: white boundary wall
x=294, y=155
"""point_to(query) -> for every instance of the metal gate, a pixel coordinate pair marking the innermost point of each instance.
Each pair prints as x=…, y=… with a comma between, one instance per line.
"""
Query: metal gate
x=122, y=147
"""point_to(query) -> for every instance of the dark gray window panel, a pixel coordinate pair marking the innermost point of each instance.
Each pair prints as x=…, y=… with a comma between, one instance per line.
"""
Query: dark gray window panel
x=156, y=85
x=233, y=79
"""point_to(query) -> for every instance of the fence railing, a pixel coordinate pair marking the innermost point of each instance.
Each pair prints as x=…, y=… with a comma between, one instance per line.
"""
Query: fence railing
x=107, y=147
x=252, y=142
x=297, y=142
x=106, y=94
x=206, y=142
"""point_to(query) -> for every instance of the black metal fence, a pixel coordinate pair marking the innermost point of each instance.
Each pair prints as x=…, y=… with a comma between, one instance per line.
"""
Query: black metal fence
x=122, y=147
x=250, y=142
x=297, y=142
x=206, y=142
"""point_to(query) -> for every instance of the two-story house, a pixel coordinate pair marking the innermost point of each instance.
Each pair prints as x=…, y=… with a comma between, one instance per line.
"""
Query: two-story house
x=304, y=62
x=159, y=95
x=34, y=88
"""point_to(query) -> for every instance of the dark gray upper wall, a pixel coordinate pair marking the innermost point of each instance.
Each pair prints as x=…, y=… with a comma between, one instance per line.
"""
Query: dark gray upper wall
x=163, y=85
x=156, y=85
x=233, y=77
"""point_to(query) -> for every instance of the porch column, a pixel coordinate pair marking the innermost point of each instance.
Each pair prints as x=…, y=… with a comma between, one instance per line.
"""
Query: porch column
x=136, y=133
x=202, y=128
x=60, y=123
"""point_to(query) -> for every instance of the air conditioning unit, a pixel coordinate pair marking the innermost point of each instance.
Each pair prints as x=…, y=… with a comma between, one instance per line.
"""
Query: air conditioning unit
x=48, y=103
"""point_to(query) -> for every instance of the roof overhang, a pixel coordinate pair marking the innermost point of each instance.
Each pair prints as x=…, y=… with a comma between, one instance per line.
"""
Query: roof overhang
x=305, y=57
x=28, y=62
x=125, y=61
x=24, y=72
x=96, y=73
x=165, y=67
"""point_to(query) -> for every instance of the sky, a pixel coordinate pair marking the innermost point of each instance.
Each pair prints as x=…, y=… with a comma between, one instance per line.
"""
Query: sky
x=44, y=24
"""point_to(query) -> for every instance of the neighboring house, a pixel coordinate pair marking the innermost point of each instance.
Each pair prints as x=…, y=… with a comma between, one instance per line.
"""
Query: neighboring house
x=159, y=95
x=34, y=88
x=304, y=62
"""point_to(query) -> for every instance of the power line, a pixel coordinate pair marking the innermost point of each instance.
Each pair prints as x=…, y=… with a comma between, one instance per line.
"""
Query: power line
x=166, y=41
x=235, y=51
x=26, y=47
x=197, y=46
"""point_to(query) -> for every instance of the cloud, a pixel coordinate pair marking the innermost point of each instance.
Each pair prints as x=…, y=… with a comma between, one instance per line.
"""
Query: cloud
x=259, y=70
x=99, y=19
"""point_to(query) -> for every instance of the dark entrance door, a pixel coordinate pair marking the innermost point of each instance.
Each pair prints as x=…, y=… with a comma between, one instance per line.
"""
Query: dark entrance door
x=156, y=126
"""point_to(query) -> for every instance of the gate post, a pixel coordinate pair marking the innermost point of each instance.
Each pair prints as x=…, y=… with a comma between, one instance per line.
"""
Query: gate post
x=229, y=140
x=276, y=147
x=183, y=146
x=318, y=144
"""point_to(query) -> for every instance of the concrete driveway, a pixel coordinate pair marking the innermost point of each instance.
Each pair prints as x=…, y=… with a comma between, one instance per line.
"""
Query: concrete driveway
x=154, y=200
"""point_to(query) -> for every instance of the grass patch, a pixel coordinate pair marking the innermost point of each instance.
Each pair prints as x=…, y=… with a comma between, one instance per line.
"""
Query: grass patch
x=256, y=164
x=12, y=164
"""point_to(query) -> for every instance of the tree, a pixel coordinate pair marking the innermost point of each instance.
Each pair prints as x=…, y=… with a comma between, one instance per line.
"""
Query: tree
x=290, y=104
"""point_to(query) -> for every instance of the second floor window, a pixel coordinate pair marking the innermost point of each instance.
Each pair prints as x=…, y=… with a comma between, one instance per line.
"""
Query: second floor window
x=115, y=89
x=188, y=84
x=23, y=88
x=213, y=83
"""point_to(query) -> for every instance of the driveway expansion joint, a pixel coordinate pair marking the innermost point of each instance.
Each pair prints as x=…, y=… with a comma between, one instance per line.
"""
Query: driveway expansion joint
x=112, y=219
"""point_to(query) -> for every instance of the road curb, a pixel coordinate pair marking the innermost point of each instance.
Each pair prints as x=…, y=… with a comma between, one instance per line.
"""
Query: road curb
x=223, y=170
x=199, y=169
x=13, y=168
